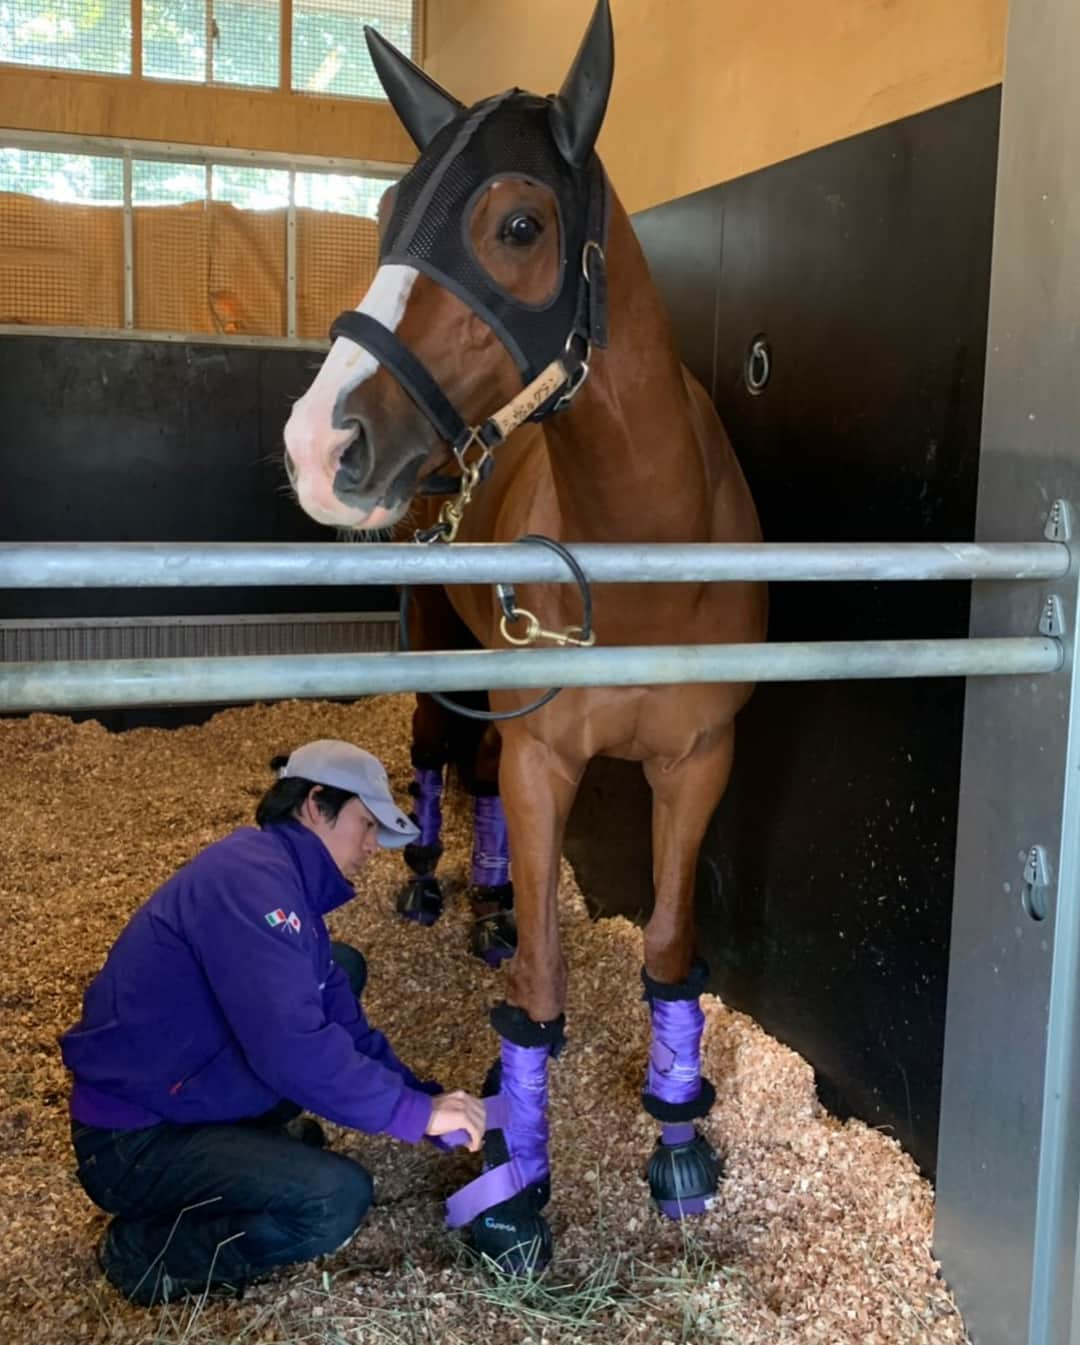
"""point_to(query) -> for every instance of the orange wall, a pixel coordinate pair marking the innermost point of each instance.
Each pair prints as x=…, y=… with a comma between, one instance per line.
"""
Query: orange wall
x=708, y=89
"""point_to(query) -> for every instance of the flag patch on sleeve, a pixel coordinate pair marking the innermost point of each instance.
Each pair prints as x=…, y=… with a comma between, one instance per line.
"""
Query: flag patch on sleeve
x=294, y=922
x=277, y=917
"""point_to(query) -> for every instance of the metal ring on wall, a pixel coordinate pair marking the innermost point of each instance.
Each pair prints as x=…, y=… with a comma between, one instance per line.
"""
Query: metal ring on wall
x=757, y=368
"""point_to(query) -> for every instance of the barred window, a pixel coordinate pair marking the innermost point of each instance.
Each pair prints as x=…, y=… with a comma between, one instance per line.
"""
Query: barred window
x=211, y=41
x=136, y=242
x=67, y=34
x=330, y=54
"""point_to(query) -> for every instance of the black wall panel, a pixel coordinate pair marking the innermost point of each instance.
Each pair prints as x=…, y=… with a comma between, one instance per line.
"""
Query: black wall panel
x=826, y=879
x=153, y=441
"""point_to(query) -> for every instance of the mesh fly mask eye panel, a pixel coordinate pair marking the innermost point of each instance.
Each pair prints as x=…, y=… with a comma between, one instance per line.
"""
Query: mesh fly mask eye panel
x=504, y=137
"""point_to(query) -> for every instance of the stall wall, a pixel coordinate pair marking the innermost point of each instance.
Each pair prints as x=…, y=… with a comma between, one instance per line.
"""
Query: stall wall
x=825, y=882
x=707, y=90
x=131, y=441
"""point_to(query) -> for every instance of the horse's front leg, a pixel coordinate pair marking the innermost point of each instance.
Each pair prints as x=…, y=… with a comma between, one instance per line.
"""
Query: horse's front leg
x=502, y=1207
x=684, y=1170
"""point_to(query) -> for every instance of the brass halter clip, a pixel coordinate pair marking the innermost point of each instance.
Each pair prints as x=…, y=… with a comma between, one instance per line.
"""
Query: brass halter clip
x=572, y=635
x=451, y=513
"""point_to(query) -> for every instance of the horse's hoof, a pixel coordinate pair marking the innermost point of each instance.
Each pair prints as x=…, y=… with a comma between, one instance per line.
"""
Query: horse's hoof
x=494, y=937
x=421, y=900
x=683, y=1177
x=514, y=1235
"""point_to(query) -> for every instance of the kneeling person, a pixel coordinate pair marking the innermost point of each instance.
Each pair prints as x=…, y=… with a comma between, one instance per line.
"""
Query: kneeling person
x=222, y=1011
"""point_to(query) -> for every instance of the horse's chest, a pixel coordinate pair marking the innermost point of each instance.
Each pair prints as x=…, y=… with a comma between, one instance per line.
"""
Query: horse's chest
x=665, y=724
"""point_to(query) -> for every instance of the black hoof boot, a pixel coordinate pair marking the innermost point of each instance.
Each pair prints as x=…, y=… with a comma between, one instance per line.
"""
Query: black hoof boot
x=514, y=1235
x=494, y=937
x=421, y=900
x=683, y=1177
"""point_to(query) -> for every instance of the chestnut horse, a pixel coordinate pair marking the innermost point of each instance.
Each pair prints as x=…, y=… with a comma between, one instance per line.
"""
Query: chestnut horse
x=510, y=277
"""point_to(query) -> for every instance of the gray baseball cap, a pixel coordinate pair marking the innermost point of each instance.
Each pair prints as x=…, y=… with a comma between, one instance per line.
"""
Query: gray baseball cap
x=332, y=762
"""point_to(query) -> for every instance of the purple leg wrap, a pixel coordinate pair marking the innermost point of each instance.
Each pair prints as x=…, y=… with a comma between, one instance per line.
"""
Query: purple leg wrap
x=520, y=1111
x=428, y=792
x=491, y=848
x=674, y=1074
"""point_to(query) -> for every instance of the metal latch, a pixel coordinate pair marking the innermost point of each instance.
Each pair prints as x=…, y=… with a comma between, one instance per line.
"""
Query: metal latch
x=1036, y=890
x=1052, y=617
x=1059, y=522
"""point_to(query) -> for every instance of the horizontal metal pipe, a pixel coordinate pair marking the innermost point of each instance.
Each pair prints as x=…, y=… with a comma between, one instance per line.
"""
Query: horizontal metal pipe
x=239, y=564
x=197, y=681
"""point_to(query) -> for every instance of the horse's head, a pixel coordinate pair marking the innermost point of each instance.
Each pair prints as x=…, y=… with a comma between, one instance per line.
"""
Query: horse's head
x=490, y=270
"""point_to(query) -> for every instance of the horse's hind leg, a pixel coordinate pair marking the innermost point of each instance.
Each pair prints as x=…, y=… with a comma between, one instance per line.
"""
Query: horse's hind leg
x=494, y=932
x=421, y=897
x=684, y=1170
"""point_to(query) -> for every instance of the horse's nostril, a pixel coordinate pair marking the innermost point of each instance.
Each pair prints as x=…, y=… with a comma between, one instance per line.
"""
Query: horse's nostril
x=354, y=465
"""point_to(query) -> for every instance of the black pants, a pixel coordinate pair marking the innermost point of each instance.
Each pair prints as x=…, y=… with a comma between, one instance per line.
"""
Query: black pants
x=209, y=1205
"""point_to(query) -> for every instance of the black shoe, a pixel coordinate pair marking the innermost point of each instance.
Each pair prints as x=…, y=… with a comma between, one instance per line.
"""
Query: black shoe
x=153, y=1285
x=308, y=1131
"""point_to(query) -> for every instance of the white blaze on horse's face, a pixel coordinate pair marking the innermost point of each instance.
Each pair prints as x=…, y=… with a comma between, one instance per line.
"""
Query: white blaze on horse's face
x=315, y=446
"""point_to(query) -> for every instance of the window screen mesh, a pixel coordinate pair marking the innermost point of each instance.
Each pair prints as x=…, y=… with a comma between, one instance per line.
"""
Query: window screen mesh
x=330, y=55
x=67, y=34
x=174, y=39
x=246, y=37
x=170, y=246
x=209, y=246
x=61, y=244
x=246, y=289
x=337, y=246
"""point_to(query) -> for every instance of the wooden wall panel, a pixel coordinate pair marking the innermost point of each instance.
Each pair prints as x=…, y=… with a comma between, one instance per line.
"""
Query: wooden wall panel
x=134, y=109
x=706, y=90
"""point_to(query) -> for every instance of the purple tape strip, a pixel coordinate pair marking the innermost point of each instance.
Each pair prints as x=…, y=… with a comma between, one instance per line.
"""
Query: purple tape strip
x=681, y=1133
x=496, y=1112
x=491, y=845
x=679, y=1209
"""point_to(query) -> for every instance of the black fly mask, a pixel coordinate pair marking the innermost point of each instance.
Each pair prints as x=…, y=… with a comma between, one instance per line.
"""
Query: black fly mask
x=546, y=141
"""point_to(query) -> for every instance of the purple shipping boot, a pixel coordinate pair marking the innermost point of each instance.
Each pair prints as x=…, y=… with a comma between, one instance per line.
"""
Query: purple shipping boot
x=502, y=1206
x=684, y=1170
x=421, y=898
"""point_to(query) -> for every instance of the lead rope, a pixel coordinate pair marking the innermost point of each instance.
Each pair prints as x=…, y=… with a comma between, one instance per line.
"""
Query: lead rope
x=582, y=635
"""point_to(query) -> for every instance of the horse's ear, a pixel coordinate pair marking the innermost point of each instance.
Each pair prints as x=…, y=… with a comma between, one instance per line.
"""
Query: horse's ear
x=579, y=107
x=424, y=107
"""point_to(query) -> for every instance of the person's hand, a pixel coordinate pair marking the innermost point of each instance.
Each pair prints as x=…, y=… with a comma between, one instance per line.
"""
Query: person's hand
x=458, y=1111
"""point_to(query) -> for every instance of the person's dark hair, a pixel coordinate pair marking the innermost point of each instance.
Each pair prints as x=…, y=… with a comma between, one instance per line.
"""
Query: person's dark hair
x=282, y=801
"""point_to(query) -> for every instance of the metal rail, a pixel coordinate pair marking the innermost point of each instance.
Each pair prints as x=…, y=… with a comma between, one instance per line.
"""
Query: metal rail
x=187, y=681
x=238, y=564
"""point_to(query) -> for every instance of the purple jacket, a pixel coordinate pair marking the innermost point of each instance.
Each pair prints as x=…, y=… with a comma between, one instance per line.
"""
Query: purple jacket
x=220, y=998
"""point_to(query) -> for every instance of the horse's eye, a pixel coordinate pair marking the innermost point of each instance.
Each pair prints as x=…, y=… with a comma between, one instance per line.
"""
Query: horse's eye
x=521, y=230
